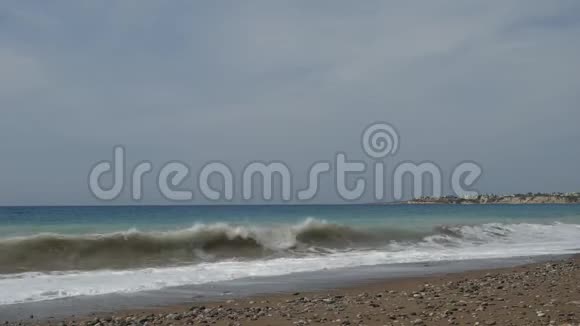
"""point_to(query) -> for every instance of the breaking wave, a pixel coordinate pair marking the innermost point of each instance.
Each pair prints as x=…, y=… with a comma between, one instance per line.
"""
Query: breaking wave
x=215, y=242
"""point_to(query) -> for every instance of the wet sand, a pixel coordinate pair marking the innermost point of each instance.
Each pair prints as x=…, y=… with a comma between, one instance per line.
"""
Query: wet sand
x=536, y=294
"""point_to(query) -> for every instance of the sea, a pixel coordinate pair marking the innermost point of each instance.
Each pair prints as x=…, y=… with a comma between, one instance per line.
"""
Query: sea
x=50, y=253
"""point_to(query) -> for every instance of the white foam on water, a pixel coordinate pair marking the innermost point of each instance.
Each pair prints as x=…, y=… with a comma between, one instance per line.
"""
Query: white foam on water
x=455, y=243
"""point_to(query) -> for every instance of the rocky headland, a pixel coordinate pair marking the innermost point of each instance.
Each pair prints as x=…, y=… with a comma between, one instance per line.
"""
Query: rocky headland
x=529, y=198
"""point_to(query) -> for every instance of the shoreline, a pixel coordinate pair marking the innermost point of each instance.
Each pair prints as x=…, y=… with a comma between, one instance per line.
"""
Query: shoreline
x=531, y=294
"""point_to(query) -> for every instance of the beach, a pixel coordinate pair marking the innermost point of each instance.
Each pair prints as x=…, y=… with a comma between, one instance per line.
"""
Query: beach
x=289, y=163
x=357, y=264
x=546, y=293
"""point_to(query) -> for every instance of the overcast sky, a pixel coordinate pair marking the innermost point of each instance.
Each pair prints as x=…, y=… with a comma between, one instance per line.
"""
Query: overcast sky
x=496, y=82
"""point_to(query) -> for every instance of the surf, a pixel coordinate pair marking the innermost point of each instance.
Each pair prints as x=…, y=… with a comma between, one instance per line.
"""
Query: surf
x=215, y=242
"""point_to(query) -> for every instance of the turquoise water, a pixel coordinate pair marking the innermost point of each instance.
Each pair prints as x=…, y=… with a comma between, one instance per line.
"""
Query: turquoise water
x=58, y=252
x=17, y=221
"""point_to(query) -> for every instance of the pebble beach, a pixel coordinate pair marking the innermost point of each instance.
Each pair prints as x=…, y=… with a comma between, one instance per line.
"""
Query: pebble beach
x=536, y=294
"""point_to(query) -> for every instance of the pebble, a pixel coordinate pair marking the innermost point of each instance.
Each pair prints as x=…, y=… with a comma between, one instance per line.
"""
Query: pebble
x=459, y=301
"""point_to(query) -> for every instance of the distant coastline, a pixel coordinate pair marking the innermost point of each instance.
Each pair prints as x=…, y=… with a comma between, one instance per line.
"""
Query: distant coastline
x=517, y=199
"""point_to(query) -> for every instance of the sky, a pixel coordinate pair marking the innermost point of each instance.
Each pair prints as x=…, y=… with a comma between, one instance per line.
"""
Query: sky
x=493, y=82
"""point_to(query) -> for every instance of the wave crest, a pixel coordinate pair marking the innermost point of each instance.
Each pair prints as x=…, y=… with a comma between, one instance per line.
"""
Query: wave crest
x=210, y=242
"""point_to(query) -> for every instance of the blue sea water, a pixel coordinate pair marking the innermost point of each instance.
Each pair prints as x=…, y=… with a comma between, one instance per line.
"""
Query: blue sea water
x=18, y=221
x=56, y=252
